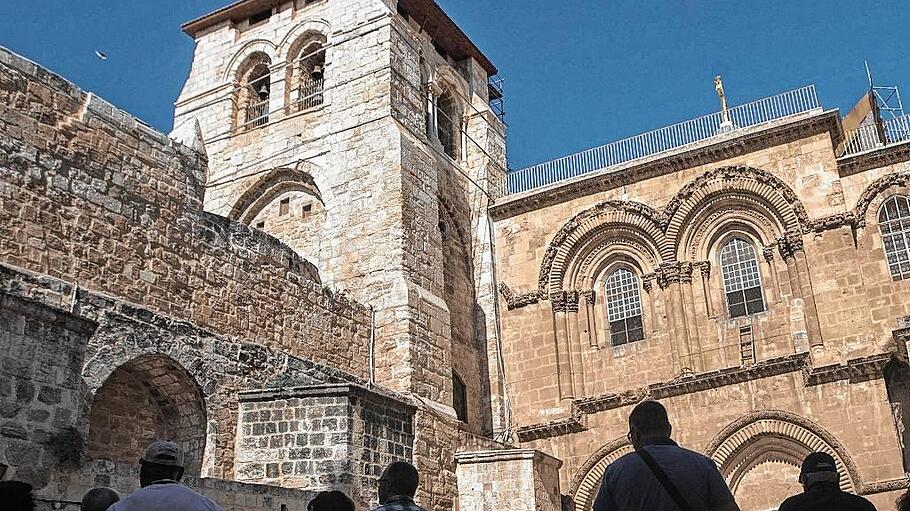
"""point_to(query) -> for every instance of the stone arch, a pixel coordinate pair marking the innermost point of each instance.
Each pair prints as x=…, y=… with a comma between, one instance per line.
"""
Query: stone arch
x=767, y=194
x=305, y=65
x=150, y=397
x=299, y=32
x=590, y=231
x=269, y=186
x=256, y=46
x=586, y=482
x=252, y=89
x=776, y=436
x=723, y=214
x=874, y=194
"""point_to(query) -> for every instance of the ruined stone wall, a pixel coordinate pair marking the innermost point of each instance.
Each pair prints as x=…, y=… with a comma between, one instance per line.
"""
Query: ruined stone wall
x=830, y=325
x=93, y=196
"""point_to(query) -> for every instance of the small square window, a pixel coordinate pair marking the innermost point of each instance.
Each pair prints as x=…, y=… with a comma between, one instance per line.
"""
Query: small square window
x=306, y=210
x=260, y=225
x=284, y=207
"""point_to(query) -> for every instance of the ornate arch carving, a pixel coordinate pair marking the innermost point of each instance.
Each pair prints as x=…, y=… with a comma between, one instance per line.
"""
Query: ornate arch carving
x=249, y=49
x=638, y=221
x=269, y=186
x=721, y=213
x=873, y=191
x=586, y=482
x=776, y=435
x=768, y=194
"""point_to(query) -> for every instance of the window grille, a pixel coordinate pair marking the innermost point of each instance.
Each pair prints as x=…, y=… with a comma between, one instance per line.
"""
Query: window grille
x=894, y=223
x=742, y=282
x=624, y=307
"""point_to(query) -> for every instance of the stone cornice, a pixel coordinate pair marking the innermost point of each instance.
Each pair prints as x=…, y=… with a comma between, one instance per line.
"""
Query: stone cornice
x=854, y=370
x=558, y=427
x=472, y=457
x=885, y=486
x=711, y=153
x=876, y=158
x=373, y=394
x=517, y=300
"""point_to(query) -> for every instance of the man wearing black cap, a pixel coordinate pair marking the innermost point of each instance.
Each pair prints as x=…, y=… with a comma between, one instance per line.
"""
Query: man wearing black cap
x=160, y=470
x=821, y=483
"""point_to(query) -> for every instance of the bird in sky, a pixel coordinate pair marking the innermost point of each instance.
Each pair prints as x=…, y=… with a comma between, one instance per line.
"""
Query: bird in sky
x=101, y=55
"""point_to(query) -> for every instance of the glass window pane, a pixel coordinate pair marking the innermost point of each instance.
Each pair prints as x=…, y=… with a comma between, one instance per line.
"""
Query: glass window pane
x=894, y=223
x=737, y=310
x=740, y=273
x=623, y=298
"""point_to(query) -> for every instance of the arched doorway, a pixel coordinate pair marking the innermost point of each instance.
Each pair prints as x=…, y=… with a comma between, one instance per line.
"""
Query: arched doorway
x=586, y=484
x=151, y=397
x=760, y=454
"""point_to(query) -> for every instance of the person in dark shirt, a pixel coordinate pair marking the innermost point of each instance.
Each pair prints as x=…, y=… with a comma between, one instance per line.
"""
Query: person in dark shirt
x=821, y=483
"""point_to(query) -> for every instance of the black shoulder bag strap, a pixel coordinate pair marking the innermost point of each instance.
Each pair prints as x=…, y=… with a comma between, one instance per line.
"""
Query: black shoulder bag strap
x=665, y=481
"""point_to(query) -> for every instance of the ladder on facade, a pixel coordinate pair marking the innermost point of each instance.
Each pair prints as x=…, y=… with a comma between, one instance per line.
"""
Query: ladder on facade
x=746, y=346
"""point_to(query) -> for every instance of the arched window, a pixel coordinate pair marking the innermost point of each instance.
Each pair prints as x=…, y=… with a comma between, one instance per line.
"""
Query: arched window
x=253, y=92
x=447, y=120
x=624, y=307
x=894, y=222
x=742, y=283
x=306, y=73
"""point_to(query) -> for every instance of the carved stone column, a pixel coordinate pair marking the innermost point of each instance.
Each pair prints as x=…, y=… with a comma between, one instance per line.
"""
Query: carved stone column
x=668, y=279
x=686, y=270
x=561, y=340
x=574, y=335
x=791, y=249
x=589, y=329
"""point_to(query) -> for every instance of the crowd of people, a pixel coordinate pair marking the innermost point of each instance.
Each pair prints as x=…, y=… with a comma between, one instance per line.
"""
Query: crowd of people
x=658, y=475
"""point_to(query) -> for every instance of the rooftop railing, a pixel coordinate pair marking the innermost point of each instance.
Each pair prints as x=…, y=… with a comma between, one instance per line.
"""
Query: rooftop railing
x=664, y=139
x=875, y=135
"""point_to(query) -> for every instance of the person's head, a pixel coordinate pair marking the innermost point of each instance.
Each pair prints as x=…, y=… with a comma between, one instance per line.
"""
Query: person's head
x=162, y=460
x=99, y=499
x=818, y=467
x=330, y=501
x=17, y=495
x=648, y=420
x=399, y=478
x=903, y=502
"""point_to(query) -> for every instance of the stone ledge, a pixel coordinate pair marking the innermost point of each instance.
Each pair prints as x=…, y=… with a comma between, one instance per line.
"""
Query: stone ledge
x=47, y=313
x=559, y=427
x=468, y=458
x=373, y=394
x=874, y=158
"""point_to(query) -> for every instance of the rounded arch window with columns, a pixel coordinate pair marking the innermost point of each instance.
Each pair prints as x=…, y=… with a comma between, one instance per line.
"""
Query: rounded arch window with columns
x=741, y=277
x=894, y=225
x=622, y=296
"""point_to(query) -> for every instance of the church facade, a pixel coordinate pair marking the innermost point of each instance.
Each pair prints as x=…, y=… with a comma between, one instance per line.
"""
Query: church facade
x=326, y=266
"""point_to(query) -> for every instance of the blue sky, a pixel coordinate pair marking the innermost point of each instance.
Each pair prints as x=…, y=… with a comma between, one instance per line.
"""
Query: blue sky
x=578, y=74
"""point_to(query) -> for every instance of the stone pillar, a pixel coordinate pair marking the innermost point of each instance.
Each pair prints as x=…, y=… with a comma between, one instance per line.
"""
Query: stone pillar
x=561, y=338
x=508, y=480
x=589, y=329
x=668, y=279
x=686, y=270
x=791, y=250
x=573, y=327
x=321, y=437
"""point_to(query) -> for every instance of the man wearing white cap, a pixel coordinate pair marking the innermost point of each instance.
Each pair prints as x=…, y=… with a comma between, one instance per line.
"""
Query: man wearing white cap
x=160, y=470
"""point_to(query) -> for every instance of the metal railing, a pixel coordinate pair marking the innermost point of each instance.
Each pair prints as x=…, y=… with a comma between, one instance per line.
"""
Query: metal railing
x=875, y=135
x=309, y=93
x=257, y=114
x=654, y=142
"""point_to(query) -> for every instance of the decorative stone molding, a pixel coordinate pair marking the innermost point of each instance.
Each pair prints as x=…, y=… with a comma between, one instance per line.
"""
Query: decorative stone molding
x=685, y=272
x=589, y=295
x=704, y=267
x=558, y=301
x=789, y=244
x=832, y=222
x=517, y=300
x=576, y=423
x=647, y=281
x=878, y=158
x=667, y=273
x=641, y=218
x=872, y=488
x=270, y=185
x=768, y=253
x=899, y=179
x=571, y=301
x=727, y=446
x=586, y=481
x=855, y=370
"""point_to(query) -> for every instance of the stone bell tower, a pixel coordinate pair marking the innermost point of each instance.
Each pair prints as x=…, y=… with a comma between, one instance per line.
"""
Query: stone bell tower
x=347, y=131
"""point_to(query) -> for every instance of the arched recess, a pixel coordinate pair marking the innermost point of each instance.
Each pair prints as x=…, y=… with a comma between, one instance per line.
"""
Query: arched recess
x=252, y=89
x=298, y=33
x=151, y=397
x=761, y=198
x=867, y=206
x=586, y=483
x=305, y=71
x=573, y=252
x=256, y=46
x=269, y=186
x=774, y=436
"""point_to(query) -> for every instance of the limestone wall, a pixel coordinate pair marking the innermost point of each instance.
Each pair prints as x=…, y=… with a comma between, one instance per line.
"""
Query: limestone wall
x=820, y=355
x=93, y=196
